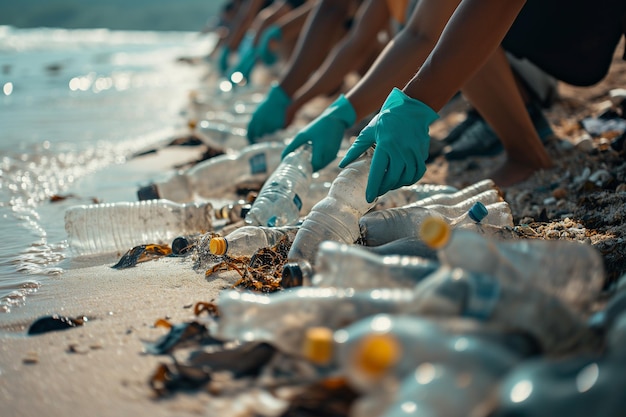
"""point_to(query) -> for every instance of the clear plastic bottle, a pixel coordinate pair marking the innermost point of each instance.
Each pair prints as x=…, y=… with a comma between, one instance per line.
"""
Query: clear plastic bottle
x=434, y=389
x=573, y=271
x=210, y=178
x=412, y=193
x=350, y=266
x=384, y=226
x=233, y=212
x=582, y=386
x=336, y=217
x=283, y=318
x=109, y=227
x=248, y=239
x=406, y=246
x=510, y=306
x=450, y=199
x=280, y=200
x=377, y=353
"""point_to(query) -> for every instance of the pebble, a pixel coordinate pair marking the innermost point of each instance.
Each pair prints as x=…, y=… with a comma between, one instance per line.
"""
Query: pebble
x=600, y=177
x=621, y=188
x=559, y=193
x=584, y=143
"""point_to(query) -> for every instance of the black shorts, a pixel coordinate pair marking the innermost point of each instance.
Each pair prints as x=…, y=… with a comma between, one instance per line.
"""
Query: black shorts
x=572, y=40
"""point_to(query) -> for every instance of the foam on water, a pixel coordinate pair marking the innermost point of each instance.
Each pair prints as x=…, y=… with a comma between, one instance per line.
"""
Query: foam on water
x=74, y=105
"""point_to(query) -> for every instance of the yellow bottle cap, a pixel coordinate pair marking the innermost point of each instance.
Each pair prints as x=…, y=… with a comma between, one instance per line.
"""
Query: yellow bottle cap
x=435, y=232
x=318, y=345
x=192, y=123
x=218, y=245
x=377, y=353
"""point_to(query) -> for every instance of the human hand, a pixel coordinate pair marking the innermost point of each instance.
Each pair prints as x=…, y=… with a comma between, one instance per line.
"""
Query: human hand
x=325, y=133
x=270, y=115
x=400, y=132
x=272, y=33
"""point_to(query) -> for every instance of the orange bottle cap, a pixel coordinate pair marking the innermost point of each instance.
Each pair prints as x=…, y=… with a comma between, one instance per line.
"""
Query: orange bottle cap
x=218, y=245
x=318, y=345
x=377, y=353
x=435, y=232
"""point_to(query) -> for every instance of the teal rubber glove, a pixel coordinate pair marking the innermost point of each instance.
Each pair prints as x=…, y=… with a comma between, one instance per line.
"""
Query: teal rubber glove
x=272, y=33
x=270, y=115
x=325, y=133
x=245, y=65
x=223, y=60
x=400, y=132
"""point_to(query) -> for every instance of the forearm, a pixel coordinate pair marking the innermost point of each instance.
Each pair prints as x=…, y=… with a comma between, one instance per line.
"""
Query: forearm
x=242, y=22
x=402, y=56
x=323, y=27
x=474, y=32
x=349, y=54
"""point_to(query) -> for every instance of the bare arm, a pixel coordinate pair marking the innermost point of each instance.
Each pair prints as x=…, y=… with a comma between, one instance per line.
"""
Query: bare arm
x=475, y=31
x=245, y=16
x=404, y=54
x=373, y=16
x=324, y=25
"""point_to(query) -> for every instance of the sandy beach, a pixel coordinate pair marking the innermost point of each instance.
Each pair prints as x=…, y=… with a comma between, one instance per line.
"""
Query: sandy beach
x=99, y=369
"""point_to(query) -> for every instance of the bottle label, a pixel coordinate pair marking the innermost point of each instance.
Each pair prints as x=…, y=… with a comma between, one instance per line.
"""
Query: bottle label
x=258, y=164
x=297, y=201
x=483, y=296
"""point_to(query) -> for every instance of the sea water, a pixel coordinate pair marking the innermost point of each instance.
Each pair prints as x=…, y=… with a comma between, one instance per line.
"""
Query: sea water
x=75, y=105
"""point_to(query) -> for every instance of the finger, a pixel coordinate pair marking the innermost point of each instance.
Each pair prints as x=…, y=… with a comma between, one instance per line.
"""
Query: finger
x=297, y=141
x=394, y=174
x=378, y=171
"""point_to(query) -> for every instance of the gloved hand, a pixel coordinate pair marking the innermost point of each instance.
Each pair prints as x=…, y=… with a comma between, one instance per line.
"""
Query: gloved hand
x=270, y=115
x=272, y=33
x=223, y=59
x=245, y=65
x=325, y=133
x=400, y=131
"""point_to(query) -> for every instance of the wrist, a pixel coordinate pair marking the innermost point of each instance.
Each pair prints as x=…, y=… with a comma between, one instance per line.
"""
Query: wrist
x=342, y=108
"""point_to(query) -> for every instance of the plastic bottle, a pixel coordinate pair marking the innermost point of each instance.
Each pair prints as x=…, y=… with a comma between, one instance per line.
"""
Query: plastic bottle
x=211, y=177
x=248, y=239
x=457, y=197
x=350, y=266
x=384, y=226
x=377, y=353
x=336, y=217
x=571, y=270
x=280, y=200
x=574, y=387
x=283, y=318
x=234, y=212
x=109, y=227
x=406, y=246
x=434, y=389
x=412, y=193
x=508, y=305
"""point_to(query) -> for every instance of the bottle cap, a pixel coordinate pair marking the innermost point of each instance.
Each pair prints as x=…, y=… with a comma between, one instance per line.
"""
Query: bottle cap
x=148, y=192
x=477, y=212
x=377, y=353
x=292, y=275
x=180, y=245
x=218, y=245
x=318, y=345
x=222, y=212
x=435, y=232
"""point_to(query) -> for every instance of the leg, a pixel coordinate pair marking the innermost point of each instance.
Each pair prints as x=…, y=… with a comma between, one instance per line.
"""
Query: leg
x=493, y=91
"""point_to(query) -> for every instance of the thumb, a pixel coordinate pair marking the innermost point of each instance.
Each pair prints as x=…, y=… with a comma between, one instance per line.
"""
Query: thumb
x=364, y=141
x=299, y=140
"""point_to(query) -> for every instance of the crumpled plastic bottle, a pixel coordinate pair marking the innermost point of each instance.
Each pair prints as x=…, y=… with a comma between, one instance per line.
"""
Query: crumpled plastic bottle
x=336, y=217
x=281, y=198
x=570, y=270
x=508, y=305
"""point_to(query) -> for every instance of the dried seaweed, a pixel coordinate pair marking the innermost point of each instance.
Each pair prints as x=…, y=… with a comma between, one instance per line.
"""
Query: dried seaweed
x=261, y=272
x=180, y=336
x=142, y=253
